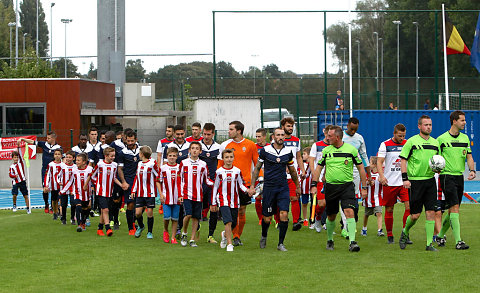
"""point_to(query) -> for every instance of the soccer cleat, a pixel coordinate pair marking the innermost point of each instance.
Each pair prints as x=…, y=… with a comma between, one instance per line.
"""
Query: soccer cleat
x=138, y=233
x=46, y=210
x=160, y=210
x=430, y=248
x=461, y=245
x=149, y=235
x=296, y=226
x=305, y=223
x=192, y=243
x=263, y=242
x=330, y=245
x=260, y=222
x=111, y=223
x=408, y=240
x=183, y=240
x=95, y=214
x=100, y=233
x=363, y=233
x=344, y=233
x=318, y=226
x=223, y=243
x=403, y=240
x=72, y=221
x=210, y=239
x=354, y=247
x=174, y=241
x=64, y=222
x=380, y=233
x=79, y=228
x=14, y=209
x=87, y=223
x=83, y=227
x=29, y=211
x=441, y=242
x=55, y=216
x=131, y=232
x=109, y=232
x=166, y=236
x=230, y=248
x=281, y=247
x=236, y=241
x=312, y=226
x=50, y=211
x=390, y=240
x=116, y=227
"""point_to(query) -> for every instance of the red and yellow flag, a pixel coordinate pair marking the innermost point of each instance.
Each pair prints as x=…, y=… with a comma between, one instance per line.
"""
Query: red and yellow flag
x=454, y=41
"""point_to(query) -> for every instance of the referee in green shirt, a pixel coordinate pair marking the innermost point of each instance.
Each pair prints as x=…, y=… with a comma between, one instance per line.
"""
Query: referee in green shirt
x=455, y=148
x=338, y=159
x=419, y=179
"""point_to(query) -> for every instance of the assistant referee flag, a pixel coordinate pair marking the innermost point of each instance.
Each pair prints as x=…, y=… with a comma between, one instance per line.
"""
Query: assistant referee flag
x=475, y=57
x=454, y=41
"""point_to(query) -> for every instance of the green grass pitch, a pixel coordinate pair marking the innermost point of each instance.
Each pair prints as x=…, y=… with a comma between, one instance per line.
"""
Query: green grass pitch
x=41, y=255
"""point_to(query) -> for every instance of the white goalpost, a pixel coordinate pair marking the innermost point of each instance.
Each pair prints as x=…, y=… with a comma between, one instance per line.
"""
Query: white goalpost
x=459, y=101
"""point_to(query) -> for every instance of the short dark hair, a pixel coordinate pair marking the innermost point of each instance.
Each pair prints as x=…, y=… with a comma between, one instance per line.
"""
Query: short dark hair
x=338, y=131
x=58, y=150
x=15, y=154
x=195, y=143
x=420, y=120
x=131, y=133
x=52, y=133
x=399, y=127
x=197, y=124
x=262, y=131
x=228, y=151
x=170, y=126
x=238, y=126
x=127, y=130
x=93, y=128
x=119, y=132
x=455, y=115
x=83, y=156
x=178, y=127
x=209, y=126
x=328, y=127
x=287, y=120
x=103, y=132
x=353, y=120
x=172, y=150
x=82, y=135
x=71, y=153
x=277, y=128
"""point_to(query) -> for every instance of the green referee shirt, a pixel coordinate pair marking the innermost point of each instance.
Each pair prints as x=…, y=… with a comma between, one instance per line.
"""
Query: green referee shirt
x=454, y=149
x=418, y=152
x=339, y=163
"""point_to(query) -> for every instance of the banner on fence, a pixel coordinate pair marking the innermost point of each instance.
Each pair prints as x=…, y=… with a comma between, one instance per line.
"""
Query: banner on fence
x=9, y=144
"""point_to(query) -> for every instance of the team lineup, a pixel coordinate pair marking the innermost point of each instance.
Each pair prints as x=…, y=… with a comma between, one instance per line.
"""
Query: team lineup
x=198, y=179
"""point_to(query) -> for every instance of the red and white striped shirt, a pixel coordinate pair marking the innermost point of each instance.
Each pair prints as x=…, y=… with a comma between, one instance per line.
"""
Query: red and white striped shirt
x=103, y=175
x=440, y=194
x=374, y=193
x=145, y=181
x=64, y=175
x=193, y=174
x=51, y=179
x=171, y=183
x=77, y=180
x=308, y=179
x=225, y=189
x=17, y=171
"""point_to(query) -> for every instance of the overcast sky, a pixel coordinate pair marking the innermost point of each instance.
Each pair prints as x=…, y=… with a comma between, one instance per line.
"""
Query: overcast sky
x=292, y=41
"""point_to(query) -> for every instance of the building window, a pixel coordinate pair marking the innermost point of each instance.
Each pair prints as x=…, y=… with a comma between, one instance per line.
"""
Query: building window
x=24, y=120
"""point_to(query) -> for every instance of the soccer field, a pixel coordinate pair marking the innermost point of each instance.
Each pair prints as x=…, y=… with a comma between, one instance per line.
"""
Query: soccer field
x=41, y=255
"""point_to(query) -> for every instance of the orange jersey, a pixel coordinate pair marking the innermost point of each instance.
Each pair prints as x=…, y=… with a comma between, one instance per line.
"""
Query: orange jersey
x=246, y=156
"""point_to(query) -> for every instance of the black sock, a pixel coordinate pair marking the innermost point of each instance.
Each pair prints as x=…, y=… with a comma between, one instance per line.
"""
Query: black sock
x=283, y=226
x=130, y=215
x=78, y=211
x=150, y=224
x=85, y=215
x=100, y=226
x=212, y=223
x=64, y=207
x=140, y=221
x=265, y=227
x=45, y=198
x=107, y=227
x=116, y=210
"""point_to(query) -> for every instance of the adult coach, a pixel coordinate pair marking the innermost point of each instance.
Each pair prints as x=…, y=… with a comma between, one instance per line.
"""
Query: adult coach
x=245, y=155
x=455, y=148
x=163, y=142
x=48, y=147
x=338, y=160
x=293, y=143
x=418, y=177
x=391, y=177
x=276, y=194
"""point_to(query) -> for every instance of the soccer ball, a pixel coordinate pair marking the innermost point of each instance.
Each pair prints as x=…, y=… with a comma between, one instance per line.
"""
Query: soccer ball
x=437, y=163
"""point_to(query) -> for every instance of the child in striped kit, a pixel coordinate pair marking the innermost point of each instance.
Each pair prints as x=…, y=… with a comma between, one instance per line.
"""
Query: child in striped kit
x=51, y=180
x=170, y=194
x=17, y=174
x=373, y=201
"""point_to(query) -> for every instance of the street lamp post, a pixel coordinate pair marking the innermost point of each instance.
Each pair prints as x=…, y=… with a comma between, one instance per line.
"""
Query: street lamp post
x=416, y=68
x=254, y=74
x=398, y=23
x=11, y=25
x=51, y=34
x=24, y=35
x=343, y=69
x=66, y=21
x=376, y=83
x=358, y=71
x=381, y=73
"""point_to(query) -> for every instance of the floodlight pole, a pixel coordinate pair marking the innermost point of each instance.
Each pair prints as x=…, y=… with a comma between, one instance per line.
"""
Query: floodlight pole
x=51, y=34
x=343, y=69
x=11, y=25
x=358, y=59
x=381, y=73
x=376, y=83
x=416, y=67
x=66, y=21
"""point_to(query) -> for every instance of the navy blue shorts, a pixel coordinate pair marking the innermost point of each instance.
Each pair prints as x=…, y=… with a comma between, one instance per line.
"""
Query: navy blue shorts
x=103, y=202
x=275, y=197
x=229, y=215
x=193, y=208
x=128, y=196
x=148, y=202
x=305, y=198
x=22, y=186
x=83, y=203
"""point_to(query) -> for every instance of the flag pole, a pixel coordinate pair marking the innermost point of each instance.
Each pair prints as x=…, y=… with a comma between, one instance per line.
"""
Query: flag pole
x=28, y=177
x=445, y=63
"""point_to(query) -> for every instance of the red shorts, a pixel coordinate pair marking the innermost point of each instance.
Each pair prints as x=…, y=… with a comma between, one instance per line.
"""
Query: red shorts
x=391, y=193
x=320, y=195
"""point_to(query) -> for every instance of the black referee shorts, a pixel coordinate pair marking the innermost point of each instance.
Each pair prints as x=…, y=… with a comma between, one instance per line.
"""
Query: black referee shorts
x=452, y=186
x=422, y=193
x=339, y=193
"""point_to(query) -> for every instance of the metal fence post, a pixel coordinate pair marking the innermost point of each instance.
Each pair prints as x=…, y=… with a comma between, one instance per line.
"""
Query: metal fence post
x=71, y=138
x=378, y=100
x=49, y=126
x=406, y=100
x=459, y=99
x=261, y=111
x=298, y=115
x=279, y=108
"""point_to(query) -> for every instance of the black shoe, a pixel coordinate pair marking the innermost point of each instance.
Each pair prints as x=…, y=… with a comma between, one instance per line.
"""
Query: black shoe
x=263, y=242
x=204, y=219
x=461, y=245
x=390, y=240
x=64, y=222
x=330, y=244
x=72, y=221
x=403, y=241
x=441, y=241
x=431, y=248
x=236, y=241
x=297, y=226
x=116, y=226
x=354, y=247
x=409, y=241
x=55, y=216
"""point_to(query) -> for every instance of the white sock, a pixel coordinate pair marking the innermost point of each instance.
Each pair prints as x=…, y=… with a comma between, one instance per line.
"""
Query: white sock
x=365, y=228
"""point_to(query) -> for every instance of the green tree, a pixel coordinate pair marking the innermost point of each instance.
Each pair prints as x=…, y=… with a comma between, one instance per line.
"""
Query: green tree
x=7, y=15
x=29, y=67
x=134, y=71
x=59, y=66
x=272, y=70
x=28, y=19
x=225, y=69
x=92, y=72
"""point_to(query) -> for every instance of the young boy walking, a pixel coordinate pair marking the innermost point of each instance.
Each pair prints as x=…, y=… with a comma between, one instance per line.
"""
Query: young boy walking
x=51, y=180
x=170, y=194
x=63, y=176
x=19, y=182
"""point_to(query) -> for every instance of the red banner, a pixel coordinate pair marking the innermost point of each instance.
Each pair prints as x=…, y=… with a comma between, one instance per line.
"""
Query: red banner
x=9, y=144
